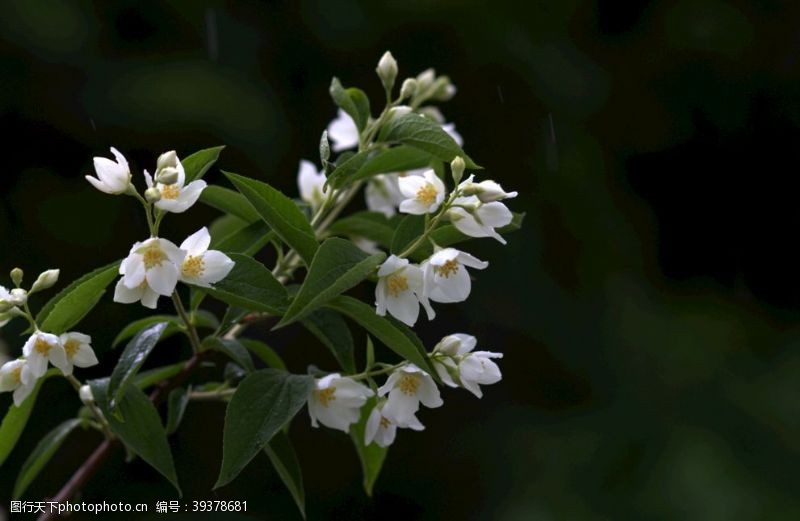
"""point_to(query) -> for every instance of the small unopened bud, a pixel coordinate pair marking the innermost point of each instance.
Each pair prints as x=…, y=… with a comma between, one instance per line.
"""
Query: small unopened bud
x=167, y=176
x=408, y=89
x=425, y=79
x=18, y=297
x=324, y=148
x=433, y=113
x=400, y=110
x=443, y=90
x=387, y=70
x=86, y=395
x=16, y=276
x=167, y=160
x=457, y=167
x=46, y=279
x=152, y=194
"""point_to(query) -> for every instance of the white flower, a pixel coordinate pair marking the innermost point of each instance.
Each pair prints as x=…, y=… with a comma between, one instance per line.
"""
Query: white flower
x=381, y=430
x=336, y=402
x=151, y=269
x=423, y=194
x=343, y=132
x=112, y=177
x=16, y=376
x=78, y=348
x=407, y=386
x=176, y=197
x=311, y=184
x=400, y=291
x=486, y=191
x=476, y=219
x=41, y=348
x=201, y=266
x=471, y=368
x=18, y=296
x=382, y=194
x=446, y=277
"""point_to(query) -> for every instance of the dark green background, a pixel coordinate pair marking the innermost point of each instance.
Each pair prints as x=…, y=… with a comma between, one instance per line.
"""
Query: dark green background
x=647, y=311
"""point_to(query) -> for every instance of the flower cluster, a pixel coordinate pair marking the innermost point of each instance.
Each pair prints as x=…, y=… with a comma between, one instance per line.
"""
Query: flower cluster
x=64, y=351
x=337, y=400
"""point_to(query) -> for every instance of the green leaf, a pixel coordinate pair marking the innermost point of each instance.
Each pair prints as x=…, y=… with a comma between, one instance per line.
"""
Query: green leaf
x=233, y=349
x=197, y=164
x=371, y=456
x=353, y=101
x=424, y=134
x=141, y=431
x=410, y=229
x=230, y=202
x=280, y=213
x=264, y=401
x=338, y=266
x=17, y=417
x=347, y=167
x=370, y=356
x=76, y=300
x=384, y=330
x=151, y=377
x=373, y=226
x=176, y=405
x=248, y=240
x=131, y=360
x=200, y=320
x=396, y=159
x=284, y=459
x=251, y=286
x=331, y=329
x=223, y=226
x=41, y=455
x=265, y=353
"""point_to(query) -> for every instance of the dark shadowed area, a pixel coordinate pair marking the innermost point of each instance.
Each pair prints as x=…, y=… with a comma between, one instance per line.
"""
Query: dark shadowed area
x=648, y=311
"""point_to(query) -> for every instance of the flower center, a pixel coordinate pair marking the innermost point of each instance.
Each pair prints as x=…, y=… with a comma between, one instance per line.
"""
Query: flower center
x=408, y=384
x=448, y=268
x=71, y=347
x=325, y=396
x=42, y=347
x=193, y=266
x=385, y=424
x=427, y=194
x=397, y=284
x=153, y=256
x=16, y=375
x=170, y=191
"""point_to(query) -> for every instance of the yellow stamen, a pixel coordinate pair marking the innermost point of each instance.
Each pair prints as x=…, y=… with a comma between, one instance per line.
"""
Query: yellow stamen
x=153, y=256
x=16, y=375
x=385, y=424
x=397, y=284
x=408, y=384
x=170, y=192
x=448, y=268
x=42, y=347
x=325, y=396
x=427, y=194
x=71, y=347
x=193, y=266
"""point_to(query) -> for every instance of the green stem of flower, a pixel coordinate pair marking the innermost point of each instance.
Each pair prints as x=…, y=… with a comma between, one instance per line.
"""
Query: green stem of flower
x=98, y=415
x=368, y=374
x=222, y=394
x=194, y=339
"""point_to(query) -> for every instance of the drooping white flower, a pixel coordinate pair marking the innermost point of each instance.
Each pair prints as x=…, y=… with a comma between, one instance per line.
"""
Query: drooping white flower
x=476, y=219
x=486, y=191
x=400, y=291
x=78, y=348
x=407, y=387
x=423, y=194
x=201, y=266
x=176, y=197
x=336, y=402
x=113, y=177
x=382, y=431
x=446, y=277
x=16, y=376
x=460, y=364
x=343, y=132
x=150, y=269
x=42, y=348
x=311, y=183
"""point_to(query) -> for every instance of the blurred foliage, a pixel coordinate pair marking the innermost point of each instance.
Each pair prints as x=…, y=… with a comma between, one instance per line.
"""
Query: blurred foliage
x=648, y=310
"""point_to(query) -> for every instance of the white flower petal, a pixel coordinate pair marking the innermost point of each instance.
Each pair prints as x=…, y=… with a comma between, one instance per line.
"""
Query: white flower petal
x=217, y=266
x=197, y=243
x=163, y=278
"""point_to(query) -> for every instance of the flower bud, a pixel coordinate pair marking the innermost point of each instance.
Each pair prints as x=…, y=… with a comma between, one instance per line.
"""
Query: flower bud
x=457, y=167
x=433, y=113
x=152, y=194
x=408, y=89
x=46, y=279
x=167, y=176
x=167, y=160
x=18, y=297
x=16, y=276
x=387, y=70
x=443, y=90
x=400, y=110
x=86, y=395
x=324, y=148
x=5, y=305
x=425, y=79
